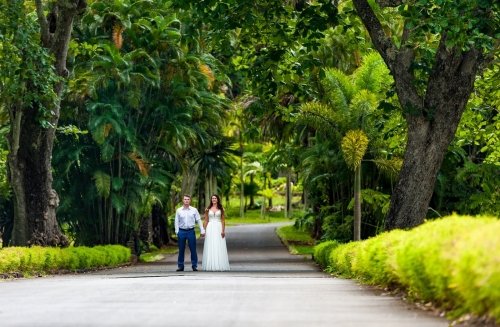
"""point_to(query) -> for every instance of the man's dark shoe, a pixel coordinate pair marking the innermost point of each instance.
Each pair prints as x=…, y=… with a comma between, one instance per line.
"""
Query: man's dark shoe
x=180, y=269
x=195, y=269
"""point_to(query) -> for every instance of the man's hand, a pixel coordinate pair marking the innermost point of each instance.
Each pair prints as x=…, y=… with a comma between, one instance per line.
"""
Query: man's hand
x=202, y=235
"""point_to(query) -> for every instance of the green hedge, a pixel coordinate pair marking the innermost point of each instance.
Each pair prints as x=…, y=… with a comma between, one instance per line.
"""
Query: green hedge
x=38, y=260
x=322, y=251
x=453, y=262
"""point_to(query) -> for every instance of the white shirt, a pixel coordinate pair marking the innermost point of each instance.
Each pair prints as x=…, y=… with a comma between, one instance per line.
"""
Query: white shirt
x=186, y=218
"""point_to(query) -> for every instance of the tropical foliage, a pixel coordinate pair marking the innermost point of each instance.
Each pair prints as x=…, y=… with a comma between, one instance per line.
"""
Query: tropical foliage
x=250, y=100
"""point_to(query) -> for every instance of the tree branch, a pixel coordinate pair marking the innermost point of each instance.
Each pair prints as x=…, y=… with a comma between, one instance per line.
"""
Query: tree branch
x=452, y=75
x=389, y=3
x=44, y=25
x=398, y=60
x=382, y=42
x=66, y=12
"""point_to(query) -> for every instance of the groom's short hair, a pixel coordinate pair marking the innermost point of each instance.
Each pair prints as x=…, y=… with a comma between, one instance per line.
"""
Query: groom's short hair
x=187, y=196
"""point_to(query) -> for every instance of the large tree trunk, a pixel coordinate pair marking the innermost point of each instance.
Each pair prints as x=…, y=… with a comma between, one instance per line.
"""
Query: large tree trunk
x=30, y=144
x=432, y=117
x=35, y=201
x=428, y=141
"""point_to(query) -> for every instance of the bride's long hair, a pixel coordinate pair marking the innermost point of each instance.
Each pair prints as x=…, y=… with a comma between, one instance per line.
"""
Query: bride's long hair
x=219, y=204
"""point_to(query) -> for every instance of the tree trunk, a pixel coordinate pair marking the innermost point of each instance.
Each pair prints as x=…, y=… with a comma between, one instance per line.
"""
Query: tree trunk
x=210, y=188
x=31, y=144
x=270, y=203
x=357, y=203
x=242, y=178
x=425, y=150
x=432, y=114
x=430, y=133
x=35, y=201
x=288, y=194
x=189, y=177
x=251, y=205
x=160, y=227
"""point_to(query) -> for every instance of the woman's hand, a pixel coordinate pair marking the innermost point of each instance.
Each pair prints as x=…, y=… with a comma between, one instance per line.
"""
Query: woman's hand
x=222, y=234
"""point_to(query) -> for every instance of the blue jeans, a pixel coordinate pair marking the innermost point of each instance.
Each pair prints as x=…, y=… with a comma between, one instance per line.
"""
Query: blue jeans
x=190, y=236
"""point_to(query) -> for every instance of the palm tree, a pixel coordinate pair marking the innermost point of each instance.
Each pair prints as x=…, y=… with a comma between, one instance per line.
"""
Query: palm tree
x=216, y=164
x=354, y=145
x=350, y=103
x=151, y=107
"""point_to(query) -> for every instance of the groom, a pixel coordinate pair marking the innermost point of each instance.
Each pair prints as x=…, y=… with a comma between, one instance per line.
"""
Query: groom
x=186, y=218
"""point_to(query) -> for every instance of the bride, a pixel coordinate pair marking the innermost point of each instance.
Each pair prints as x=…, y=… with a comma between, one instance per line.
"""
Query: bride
x=215, y=250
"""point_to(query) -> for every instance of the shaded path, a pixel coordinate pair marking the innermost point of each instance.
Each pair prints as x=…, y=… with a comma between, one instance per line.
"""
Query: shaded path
x=266, y=287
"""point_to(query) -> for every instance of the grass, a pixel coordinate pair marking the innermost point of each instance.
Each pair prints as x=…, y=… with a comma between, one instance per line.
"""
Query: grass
x=297, y=241
x=255, y=217
x=158, y=254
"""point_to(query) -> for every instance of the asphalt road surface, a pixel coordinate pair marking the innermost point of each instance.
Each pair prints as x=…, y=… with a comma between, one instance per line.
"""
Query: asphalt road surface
x=265, y=287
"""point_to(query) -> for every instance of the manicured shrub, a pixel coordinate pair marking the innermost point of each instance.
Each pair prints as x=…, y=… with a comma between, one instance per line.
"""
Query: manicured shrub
x=453, y=262
x=340, y=259
x=322, y=251
x=476, y=274
x=373, y=264
x=42, y=260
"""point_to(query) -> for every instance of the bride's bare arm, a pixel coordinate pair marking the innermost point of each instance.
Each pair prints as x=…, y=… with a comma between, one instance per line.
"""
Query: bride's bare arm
x=223, y=221
x=205, y=219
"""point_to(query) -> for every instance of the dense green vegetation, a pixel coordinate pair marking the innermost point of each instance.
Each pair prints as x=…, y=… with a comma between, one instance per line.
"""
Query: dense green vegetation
x=254, y=100
x=345, y=118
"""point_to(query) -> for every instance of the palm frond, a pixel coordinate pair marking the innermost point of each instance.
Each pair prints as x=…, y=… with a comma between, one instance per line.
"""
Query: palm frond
x=389, y=167
x=318, y=116
x=142, y=164
x=117, y=36
x=102, y=183
x=118, y=202
x=339, y=88
x=372, y=75
x=354, y=145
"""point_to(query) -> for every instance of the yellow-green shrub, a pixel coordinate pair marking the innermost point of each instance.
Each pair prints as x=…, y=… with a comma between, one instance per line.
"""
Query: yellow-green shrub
x=322, y=251
x=453, y=262
x=477, y=270
x=42, y=260
x=372, y=262
x=340, y=259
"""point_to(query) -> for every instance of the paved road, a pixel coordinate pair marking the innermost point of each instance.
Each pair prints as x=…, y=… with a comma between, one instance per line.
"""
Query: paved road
x=265, y=287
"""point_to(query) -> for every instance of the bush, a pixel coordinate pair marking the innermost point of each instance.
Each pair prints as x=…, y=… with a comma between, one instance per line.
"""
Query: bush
x=322, y=251
x=373, y=264
x=452, y=262
x=40, y=260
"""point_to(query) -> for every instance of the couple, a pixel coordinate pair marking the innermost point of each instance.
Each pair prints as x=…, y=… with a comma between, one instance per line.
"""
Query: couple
x=214, y=251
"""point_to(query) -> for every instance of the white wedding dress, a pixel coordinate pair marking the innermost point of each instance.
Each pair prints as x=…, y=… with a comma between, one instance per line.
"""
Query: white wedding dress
x=214, y=250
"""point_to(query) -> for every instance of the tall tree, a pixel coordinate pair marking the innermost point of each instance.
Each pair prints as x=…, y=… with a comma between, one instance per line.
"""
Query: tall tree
x=434, y=63
x=33, y=102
